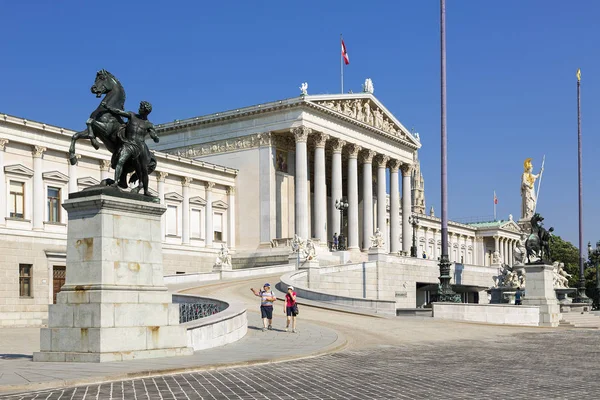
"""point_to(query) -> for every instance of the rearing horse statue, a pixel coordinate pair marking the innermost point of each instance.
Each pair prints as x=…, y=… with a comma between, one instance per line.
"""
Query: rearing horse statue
x=538, y=243
x=104, y=125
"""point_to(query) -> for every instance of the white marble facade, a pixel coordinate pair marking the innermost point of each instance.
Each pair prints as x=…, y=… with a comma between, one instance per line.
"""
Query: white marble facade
x=35, y=177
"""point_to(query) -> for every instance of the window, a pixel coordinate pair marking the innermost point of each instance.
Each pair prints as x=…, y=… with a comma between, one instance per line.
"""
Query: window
x=25, y=280
x=172, y=220
x=195, y=224
x=53, y=204
x=17, y=199
x=218, y=227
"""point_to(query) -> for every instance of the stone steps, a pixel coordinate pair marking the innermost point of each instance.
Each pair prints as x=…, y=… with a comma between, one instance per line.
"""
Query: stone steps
x=585, y=320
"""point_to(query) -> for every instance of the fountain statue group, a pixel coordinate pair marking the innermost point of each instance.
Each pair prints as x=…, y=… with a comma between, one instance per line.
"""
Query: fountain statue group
x=124, y=140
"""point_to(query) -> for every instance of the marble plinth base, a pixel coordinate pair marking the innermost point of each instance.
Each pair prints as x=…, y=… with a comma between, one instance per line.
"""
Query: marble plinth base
x=313, y=276
x=540, y=292
x=577, y=308
x=114, y=304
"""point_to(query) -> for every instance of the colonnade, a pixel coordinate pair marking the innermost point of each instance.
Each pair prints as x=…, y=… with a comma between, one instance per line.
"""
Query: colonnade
x=356, y=154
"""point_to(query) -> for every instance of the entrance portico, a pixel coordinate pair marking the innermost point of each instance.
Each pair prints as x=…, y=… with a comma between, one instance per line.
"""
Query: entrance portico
x=314, y=150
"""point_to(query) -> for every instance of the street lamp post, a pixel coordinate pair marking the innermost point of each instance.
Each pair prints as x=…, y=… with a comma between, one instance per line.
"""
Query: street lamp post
x=414, y=221
x=445, y=292
x=342, y=205
x=594, y=257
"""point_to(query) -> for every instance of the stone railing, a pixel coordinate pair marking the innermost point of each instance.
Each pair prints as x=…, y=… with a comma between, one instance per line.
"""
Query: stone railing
x=501, y=314
x=298, y=280
x=207, y=328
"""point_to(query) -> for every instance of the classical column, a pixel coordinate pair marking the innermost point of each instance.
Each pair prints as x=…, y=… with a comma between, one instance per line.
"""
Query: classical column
x=496, y=245
x=231, y=217
x=208, y=218
x=160, y=177
x=301, y=135
x=381, y=161
x=353, y=150
x=367, y=159
x=39, y=196
x=104, y=167
x=185, y=212
x=394, y=207
x=406, y=208
x=3, y=191
x=510, y=252
x=320, y=189
x=336, y=182
x=435, y=252
x=73, y=174
x=426, y=245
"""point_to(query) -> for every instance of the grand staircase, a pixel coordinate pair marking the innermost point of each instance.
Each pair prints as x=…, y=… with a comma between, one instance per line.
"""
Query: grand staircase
x=579, y=320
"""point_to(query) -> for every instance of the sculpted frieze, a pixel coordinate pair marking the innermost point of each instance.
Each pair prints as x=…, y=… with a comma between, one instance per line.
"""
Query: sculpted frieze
x=222, y=146
x=364, y=111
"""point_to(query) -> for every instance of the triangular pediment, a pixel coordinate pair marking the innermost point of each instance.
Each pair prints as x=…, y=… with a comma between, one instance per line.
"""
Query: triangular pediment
x=366, y=110
x=173, y=196
x=220, y=204
x=18, y=169
x=87, y=181
x=199, y=201
x=55, y=176
x=511, y=226
x=153, y=192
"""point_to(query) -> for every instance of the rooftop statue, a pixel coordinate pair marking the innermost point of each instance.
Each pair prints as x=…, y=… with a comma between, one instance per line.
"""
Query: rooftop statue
x=126, y=141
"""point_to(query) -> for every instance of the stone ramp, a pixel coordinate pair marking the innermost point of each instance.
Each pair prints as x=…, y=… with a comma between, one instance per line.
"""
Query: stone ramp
x=580, y=320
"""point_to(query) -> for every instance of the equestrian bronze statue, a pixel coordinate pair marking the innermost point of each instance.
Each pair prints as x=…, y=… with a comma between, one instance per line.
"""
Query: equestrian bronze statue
x=538, y=242
x=124, y=140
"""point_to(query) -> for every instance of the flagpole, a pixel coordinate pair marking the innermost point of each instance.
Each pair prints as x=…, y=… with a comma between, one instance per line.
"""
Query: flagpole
x=342, y=64
x=581, y=296
x=495, y=205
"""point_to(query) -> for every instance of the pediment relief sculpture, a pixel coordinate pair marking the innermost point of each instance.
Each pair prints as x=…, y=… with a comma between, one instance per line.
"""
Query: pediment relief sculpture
x=364, y=110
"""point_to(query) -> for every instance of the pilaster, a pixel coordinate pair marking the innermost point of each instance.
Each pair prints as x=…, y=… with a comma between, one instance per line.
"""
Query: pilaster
x=39, y=194
x=185, y=212
x=208, y=218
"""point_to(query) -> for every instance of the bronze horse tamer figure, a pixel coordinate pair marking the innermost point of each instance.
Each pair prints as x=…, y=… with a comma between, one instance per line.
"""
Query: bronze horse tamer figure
x=105, y=126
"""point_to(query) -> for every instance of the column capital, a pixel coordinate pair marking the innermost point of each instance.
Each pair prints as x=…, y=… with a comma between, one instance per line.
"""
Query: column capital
x=394, y=165
x=367, y=156
x=264, y=139
x=320, y=139
x=353, y=150
x=231, y=190
x=186, y=181
x=161, y=175
x=209, y=186
x=406, y=169
x=3, y=143
x=338, y=144
x=76, y=156
x=301, y=133
x=381, y=160
x=37, y=151
x=104, y=165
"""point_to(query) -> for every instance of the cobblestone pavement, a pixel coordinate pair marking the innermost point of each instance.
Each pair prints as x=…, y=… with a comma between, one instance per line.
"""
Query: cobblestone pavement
x=560, y=364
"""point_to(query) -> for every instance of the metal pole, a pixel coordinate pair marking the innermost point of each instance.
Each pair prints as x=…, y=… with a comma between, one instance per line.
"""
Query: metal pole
x=341, y=63
x=582, y=298
x=445, y=292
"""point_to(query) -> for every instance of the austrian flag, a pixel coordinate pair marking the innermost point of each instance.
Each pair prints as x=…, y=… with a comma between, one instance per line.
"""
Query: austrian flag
x=345, y=53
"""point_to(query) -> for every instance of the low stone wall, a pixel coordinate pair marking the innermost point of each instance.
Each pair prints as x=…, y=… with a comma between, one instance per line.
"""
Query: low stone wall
x=227, y=274
x=178, y=279
x=501, y=314
x=298, y=279
x=226, y=326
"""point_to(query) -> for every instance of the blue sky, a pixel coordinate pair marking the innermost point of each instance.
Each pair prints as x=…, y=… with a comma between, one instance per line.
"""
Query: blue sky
x=511, y=77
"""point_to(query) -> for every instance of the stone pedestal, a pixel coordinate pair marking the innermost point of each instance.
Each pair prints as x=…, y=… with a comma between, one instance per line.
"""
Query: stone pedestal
x=114, y=304
x=540, y=292
x=375, y=253
x=313, y=275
